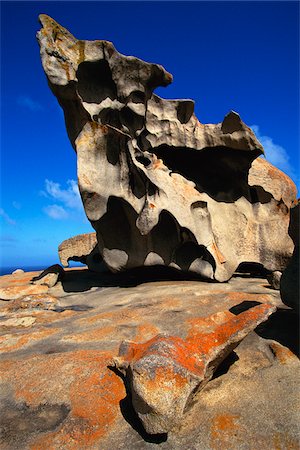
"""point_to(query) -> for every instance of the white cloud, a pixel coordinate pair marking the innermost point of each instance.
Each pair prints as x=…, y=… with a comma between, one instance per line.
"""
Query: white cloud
x=6, y=217
x=27, y=102
x=56, y=212
x=70, y=197
x=275, y=154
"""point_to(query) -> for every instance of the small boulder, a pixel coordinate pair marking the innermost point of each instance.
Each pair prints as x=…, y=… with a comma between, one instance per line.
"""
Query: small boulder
x=166, y=372
x=50, y=276
x=17, y=271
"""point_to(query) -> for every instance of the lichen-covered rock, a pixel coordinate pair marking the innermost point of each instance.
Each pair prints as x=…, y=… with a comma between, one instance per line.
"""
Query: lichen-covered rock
x=58, y=390
x=158, y=186
x=166, y=372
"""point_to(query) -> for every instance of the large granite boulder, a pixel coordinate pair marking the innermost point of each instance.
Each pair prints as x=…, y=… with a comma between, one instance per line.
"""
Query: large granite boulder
x=158, y=186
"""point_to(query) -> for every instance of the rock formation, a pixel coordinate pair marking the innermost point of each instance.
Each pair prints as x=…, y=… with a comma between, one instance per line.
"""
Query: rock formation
x=82, y=248
x=167, y=372
x=290, y=280
x=158, y=186
x=58, y=390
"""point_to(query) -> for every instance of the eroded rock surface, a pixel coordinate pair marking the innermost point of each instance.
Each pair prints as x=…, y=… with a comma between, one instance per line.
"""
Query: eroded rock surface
x=158, y=186
x=57, y=390
x=167, y=372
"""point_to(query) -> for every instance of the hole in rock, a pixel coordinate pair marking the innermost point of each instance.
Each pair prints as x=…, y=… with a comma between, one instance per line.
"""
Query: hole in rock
x=185, y=110
x=131, y=120
x=131, y=416
x=137, y=97
x=95, y=82
x=221, y=172
x=143, y=160
x=109, y=116
x=243, y=306
x=172, y=243
x=252, y=270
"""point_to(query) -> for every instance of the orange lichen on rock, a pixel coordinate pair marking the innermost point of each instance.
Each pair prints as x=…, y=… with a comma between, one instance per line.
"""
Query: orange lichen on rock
x=283, y=354
x=12, y=342
x=87, y=386
x=185, y=365
x=224, y=428
x=95, y=334
x=246, y=296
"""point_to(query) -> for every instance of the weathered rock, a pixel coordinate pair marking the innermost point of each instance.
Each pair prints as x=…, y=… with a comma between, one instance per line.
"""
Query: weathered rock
x=49, y=276
x=274, y=279
x=60, y=363
x=158, y=186
x=77, y=248
x=36, y=302
x=15, y=292
x=290, y=282
x=82, y=248
x=166, y=372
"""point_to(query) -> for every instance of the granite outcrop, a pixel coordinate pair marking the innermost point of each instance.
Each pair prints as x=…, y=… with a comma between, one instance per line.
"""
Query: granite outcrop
x=159, y=187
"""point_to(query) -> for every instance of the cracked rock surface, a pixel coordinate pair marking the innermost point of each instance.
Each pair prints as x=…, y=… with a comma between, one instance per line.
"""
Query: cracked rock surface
x=158, y=186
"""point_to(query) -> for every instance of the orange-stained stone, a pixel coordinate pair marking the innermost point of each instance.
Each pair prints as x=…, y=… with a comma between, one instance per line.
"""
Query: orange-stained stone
x=283, y=354
x=12, y=342
x=87, y=386
x=95, y=334
x=166, y=371
x=224, y=428
x=202, y=342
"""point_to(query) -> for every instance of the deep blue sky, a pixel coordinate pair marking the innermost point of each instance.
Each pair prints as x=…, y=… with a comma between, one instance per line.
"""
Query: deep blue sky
x=225, y=55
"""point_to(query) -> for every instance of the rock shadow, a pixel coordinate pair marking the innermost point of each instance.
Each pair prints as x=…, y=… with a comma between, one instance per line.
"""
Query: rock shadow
x=83, y=280
x=283, y=327
x=131, y=416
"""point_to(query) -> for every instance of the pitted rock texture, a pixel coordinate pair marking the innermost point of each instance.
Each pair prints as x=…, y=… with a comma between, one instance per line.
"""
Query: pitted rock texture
x=77, y=248
x=58, y=391
x=158, y=186
x=167, y=372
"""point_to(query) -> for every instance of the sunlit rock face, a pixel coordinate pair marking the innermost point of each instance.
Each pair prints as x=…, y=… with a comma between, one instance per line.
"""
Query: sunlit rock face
x=158, y=186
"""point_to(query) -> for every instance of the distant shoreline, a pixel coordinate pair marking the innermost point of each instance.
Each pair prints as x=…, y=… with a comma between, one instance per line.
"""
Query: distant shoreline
x=9, y=269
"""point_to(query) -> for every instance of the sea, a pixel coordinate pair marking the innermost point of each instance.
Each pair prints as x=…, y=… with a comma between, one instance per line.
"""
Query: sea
x=9, y=269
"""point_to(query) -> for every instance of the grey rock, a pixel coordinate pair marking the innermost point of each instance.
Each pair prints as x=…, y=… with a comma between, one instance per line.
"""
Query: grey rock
x=158, y=186
x=166, y=372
